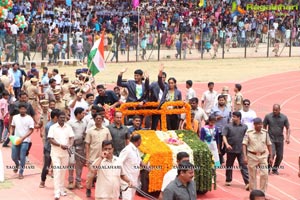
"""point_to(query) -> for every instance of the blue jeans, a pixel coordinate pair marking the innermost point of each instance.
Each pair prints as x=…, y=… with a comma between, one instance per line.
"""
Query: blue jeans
x=19, y=153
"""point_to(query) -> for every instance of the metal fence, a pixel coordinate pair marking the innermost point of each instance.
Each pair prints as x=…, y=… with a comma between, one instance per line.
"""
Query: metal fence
x=149, y=46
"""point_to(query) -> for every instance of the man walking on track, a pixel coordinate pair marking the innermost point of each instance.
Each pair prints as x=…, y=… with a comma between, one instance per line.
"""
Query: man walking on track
x=61, y=138
x=255, y=155
x=233, y=135
x=275, y=123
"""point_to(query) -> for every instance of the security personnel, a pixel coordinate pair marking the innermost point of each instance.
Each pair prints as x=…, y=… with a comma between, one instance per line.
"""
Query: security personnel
x=65, y=86
x=255, y=154
x=68, y=97
x=59, y=103
x=44, y=118
x=33, y=94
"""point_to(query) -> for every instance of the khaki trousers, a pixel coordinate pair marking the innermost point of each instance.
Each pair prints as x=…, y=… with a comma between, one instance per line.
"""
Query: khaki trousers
x=258, y=163
x=90, y=177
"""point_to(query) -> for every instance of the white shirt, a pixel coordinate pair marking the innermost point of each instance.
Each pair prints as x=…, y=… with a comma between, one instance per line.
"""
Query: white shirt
x=11, y=76
x=168, y=177
x=199, y=115
x=45, y=83
x=247, y=118
x=131, y=160
x=209, y=98
x=22, y=125
x=82, y=103
x=61, y=135
x=191, y=93
x=57, y=77
x=14, y=29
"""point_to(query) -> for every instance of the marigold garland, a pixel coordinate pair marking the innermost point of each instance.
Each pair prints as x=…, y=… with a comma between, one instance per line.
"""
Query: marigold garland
x=160, y=158
x=178, y=107
x=202, y=159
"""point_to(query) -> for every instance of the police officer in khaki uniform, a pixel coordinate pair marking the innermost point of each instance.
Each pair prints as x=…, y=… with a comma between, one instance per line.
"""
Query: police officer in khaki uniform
x=86, y=86
x=59, y=103
x=44, y=118
x=255, y=154
x=69, y=96
x=65, y=86
x=33, y=94
x=27, y=83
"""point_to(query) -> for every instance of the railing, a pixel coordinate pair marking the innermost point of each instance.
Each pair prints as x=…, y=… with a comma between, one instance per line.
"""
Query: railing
x=150, y=108
x=159, y=46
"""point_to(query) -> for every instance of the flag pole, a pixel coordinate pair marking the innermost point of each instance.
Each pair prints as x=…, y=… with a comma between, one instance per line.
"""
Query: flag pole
x=138, y=37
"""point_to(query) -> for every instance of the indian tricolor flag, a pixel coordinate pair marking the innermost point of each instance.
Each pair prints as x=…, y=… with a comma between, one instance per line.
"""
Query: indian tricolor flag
x=96, y=57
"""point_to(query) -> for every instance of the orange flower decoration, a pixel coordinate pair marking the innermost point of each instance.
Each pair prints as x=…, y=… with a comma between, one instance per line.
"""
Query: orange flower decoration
x=150, y=108
x=160, y=160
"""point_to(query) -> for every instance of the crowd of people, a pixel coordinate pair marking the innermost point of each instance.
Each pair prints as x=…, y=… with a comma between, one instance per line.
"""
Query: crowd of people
x=57, y=30
x=79, y=126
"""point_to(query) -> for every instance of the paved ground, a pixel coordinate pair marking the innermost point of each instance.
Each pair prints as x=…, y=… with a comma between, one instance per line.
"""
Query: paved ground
x=283, y=88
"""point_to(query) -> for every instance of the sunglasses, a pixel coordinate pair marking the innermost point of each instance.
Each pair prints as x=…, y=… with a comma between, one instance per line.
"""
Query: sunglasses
x=246, y=104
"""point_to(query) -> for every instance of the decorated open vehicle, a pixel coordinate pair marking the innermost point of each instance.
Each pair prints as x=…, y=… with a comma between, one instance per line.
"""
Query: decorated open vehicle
x=160, y=147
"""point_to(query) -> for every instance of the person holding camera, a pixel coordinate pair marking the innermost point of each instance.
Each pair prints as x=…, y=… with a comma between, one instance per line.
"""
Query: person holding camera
x=109, y=171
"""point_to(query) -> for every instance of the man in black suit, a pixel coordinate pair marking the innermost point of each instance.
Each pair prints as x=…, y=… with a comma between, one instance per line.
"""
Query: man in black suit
x=137, y=89
x=155, y=95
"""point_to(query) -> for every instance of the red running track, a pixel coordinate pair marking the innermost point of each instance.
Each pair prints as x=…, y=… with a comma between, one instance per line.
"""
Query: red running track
x=263, y=92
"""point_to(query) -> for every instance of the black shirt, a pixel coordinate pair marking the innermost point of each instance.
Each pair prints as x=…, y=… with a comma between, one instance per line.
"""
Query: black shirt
x=109, y=98
x=235, y=135
x=275, y=125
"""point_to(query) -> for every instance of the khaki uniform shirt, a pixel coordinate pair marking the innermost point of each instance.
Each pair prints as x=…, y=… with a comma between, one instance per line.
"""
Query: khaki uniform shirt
x=257, y=141
x=26, y=85
x=32, y=92
x=5, y=80
x=60, y=105
x=67, y=98
x=44, y=118
x=65, y=89
x=238, y=102
x=94, y=137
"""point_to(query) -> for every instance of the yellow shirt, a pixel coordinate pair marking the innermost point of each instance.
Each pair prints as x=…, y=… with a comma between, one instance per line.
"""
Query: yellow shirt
x=108, y=179
x=94, y=137
x=257, y=141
